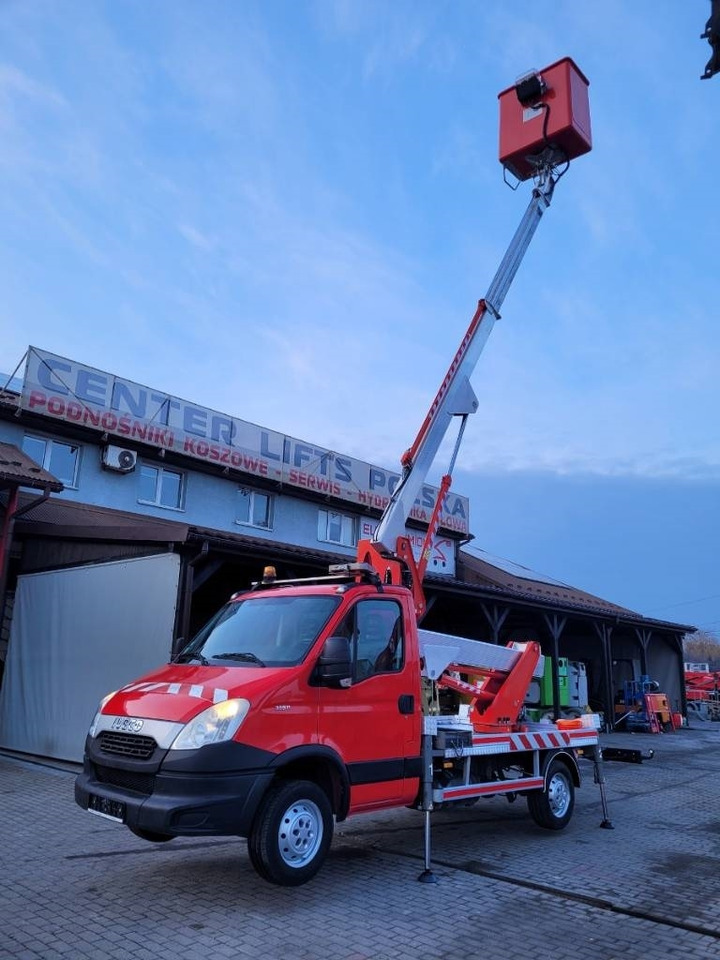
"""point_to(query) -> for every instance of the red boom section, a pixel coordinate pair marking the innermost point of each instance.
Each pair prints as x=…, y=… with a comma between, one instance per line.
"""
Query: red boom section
x=496, y=696
x=408, y=458
x=400, y=570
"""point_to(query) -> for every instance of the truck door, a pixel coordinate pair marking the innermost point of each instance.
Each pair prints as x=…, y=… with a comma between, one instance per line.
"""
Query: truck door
x=375, y=723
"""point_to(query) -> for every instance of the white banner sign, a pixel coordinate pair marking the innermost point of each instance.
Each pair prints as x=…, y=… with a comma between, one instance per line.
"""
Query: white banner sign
x=442, y=549
x=65, y=390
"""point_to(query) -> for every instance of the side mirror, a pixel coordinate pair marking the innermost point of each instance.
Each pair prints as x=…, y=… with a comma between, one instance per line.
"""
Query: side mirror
x=334, y=664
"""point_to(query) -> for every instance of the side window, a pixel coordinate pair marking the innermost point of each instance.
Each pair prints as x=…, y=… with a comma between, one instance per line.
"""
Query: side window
x=334, y=527
x=375, y=629
x=161, y=487
x=254, y=508
x=60, y=459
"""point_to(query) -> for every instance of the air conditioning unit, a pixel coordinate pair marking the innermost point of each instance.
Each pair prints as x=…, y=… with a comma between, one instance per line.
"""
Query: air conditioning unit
x=119, y=459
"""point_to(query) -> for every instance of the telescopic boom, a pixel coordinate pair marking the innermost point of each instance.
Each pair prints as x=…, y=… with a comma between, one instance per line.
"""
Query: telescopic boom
x=544, y=123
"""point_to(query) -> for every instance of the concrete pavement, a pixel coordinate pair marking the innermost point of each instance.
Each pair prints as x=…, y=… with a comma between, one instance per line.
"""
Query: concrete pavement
x=73, y=885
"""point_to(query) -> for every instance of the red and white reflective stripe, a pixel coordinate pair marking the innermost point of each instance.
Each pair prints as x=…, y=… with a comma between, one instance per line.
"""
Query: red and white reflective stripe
x=144, y=687
x=488, y=789
x=535, y=740
x=525, y=741
x=583, y=738
x=197, y=691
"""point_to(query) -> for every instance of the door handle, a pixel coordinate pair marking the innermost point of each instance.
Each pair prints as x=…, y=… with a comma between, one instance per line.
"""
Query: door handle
x=406, y=703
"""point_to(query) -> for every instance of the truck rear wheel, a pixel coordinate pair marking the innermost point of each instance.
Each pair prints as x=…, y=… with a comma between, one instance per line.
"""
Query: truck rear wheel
x=292, y=833
x=552, y=807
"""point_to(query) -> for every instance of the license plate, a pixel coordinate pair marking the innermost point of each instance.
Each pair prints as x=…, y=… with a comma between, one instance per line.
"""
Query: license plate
x=103, y=807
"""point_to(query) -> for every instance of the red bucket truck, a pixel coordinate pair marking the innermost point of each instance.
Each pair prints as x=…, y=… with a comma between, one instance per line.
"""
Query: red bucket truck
x=304, y=702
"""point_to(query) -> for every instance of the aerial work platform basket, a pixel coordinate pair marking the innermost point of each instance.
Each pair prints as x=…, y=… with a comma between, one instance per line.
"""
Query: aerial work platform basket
x=545, y=117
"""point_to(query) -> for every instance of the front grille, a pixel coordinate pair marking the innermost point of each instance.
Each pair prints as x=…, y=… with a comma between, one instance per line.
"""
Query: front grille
x=126, y=745
x=127, y=780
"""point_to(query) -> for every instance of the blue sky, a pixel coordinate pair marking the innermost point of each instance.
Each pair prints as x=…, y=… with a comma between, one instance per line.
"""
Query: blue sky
x=287, y=211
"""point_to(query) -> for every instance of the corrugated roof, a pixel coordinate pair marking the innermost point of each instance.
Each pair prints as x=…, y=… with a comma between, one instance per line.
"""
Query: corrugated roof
x=267, y=547
x=64, y=518
x=17, y=469
x=475, y=572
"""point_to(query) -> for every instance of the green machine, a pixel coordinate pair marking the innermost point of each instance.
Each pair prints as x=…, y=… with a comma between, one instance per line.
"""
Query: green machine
x=546, y=683
x=572, y=690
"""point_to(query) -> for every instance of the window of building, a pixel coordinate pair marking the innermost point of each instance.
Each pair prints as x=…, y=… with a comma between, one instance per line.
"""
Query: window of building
x=60, y=459
x=254, y=508
x=161, y=487
x=337, y=528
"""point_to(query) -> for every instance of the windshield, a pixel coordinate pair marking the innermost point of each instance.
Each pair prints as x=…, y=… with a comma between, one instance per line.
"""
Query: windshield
x=263, y=631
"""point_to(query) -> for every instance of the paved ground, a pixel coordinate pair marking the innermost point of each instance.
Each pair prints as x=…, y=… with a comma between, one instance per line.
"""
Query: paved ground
x=73, y=885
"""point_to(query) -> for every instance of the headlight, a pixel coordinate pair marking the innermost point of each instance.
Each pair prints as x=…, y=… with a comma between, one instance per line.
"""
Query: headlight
x=96, y=718
x=214, y=725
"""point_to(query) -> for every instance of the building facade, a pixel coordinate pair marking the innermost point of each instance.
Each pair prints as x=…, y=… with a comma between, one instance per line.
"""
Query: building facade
x=167, y=508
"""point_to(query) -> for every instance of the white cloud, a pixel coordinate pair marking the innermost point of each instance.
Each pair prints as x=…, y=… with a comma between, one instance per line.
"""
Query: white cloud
x=196, y=237
x=16, y=83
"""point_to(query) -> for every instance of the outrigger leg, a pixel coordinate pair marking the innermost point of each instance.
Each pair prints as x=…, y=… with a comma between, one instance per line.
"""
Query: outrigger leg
x=599, y=775
x=427, y=876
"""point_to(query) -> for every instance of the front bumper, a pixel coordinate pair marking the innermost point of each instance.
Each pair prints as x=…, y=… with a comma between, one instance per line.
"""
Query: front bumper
x=188, y=794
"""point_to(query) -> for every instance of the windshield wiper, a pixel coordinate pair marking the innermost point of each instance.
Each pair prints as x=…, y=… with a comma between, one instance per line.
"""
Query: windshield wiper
x=187, y=657
x=250, y=657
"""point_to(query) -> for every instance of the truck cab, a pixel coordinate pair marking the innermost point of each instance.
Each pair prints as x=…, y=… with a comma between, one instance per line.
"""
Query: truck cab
x=297, y=704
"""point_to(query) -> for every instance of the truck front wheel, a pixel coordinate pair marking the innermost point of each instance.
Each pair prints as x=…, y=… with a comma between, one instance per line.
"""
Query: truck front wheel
x=292, y=833
x=552, y=807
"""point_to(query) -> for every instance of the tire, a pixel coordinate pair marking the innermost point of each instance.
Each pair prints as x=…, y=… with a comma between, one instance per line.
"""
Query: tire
x=150, y=835
x=571, y=713
x=552, y=808
x=292, y=833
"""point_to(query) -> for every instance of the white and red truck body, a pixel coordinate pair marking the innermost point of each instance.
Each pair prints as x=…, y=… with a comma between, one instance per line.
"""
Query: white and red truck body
x=418, y=728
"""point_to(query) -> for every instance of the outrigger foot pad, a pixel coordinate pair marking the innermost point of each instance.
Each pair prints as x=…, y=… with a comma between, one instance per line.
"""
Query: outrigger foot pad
x=607, y=825
x=427, y=876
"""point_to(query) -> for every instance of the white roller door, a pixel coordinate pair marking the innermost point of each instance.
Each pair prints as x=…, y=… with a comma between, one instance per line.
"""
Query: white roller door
x=76, y=635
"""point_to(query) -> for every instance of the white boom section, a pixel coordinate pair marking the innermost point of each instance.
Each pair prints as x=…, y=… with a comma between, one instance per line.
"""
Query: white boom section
x=439, y=650
x=456, y=396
